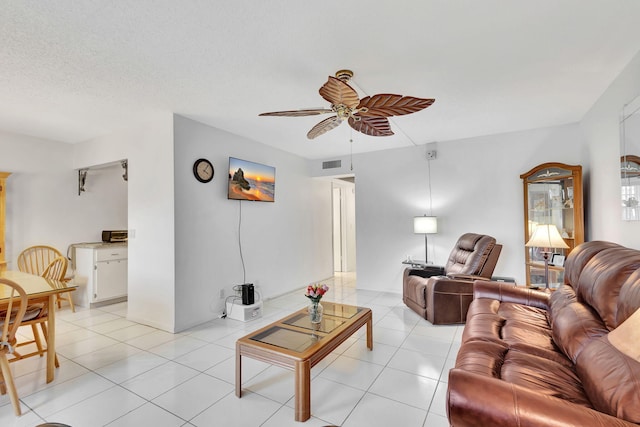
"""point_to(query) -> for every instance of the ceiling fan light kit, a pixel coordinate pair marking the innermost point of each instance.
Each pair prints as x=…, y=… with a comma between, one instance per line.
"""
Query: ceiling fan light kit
x=367, y=115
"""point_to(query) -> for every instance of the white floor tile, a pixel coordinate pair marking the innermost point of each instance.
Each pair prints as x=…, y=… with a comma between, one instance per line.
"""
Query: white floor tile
x=331, y=401
x=79, y=348
x=8, y=418
x=61, y=396
x=177, y=347
x=206, y=357
x=193, y=396
x=274, y=383
x=106, y=356
x=443, y=332
x=100, y=409
x=226, y=370
x=112, y=325
x=156, y=381
x=404, y=387
x=95, y=320
x=352, y=372
x=148, y=415
x=389, y=336
x=427, y=345
x=434, y=420
x=376, y=411
x=285, y=416
x=380, y=355
x=37, y=380
x=130, y=332
x=249, y=411
x=73, y=336
x=131, y=367
x=418, y=363
x=439, y=404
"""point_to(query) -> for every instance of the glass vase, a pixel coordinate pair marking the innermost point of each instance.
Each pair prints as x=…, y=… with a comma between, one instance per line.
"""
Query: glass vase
x=315, y=312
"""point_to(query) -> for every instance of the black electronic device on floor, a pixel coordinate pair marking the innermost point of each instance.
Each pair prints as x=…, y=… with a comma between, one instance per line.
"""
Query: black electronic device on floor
x=248, y=295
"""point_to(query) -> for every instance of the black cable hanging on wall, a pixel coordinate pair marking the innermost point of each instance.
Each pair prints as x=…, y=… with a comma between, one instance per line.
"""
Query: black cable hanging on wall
x=244, y=271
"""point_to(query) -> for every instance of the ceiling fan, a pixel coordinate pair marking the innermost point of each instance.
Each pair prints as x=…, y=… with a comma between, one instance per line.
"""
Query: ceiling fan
x=367, y=115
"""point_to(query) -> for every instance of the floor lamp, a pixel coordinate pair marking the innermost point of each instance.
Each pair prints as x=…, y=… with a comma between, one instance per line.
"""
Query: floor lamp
x=546, y=237
x=425, y=225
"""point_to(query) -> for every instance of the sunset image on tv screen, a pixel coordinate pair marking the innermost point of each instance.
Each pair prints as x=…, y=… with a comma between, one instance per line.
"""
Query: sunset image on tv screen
x=251, y=181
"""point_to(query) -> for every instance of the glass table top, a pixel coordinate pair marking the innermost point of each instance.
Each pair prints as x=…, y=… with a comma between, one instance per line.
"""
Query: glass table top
x=339, y=310
x=287, y=338
x=302, y=320
x=335, y=315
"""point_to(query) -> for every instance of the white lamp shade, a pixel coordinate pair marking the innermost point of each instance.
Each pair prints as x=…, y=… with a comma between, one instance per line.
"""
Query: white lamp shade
x=425, y=224
x=546, y=236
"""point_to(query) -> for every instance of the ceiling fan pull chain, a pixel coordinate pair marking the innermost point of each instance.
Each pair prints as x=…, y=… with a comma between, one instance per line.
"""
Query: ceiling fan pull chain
x=351, y=148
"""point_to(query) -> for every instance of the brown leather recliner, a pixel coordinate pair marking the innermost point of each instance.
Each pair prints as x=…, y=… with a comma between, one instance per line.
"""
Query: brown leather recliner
x=442, y=294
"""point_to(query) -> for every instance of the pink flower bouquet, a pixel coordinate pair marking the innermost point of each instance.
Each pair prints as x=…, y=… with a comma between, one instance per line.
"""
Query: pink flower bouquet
x=316, y=291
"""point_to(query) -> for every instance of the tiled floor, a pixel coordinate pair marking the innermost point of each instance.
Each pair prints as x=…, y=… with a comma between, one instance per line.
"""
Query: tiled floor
x=119, y=373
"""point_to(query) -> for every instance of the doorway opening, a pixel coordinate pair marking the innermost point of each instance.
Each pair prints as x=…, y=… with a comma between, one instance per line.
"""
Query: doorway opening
x=344, y=224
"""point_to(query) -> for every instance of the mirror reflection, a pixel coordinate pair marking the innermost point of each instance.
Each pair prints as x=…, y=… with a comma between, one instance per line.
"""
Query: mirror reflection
x=630, y=161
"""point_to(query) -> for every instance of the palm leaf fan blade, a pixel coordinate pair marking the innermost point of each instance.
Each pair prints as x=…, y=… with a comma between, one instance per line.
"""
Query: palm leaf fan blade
x=372, y=126
x=299, y=113
x=338, y=92
x=387, y=105
x=324, y=126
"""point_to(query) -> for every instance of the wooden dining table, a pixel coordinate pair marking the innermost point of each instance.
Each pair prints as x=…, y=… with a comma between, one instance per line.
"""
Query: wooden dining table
x=40, y=289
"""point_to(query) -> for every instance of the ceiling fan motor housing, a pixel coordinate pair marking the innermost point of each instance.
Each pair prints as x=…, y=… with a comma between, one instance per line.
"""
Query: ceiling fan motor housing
x=344, y=75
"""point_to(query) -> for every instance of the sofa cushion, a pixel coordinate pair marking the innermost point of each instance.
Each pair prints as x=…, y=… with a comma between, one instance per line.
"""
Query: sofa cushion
x=574, y=325
x=497, y=360
x=533, y=373
x=482, y=357
x=602, y=278
x=483, y=321
x=580, y=256
x=611, y=379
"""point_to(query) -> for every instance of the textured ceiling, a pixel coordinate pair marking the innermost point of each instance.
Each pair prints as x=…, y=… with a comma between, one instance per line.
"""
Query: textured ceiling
x=74, y=70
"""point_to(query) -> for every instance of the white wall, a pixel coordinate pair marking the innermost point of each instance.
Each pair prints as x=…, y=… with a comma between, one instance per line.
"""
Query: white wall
x=602, y=129
x=182, y=251
x=476, y=187
x=149, y=150
x=286, y=244
x=43, y=206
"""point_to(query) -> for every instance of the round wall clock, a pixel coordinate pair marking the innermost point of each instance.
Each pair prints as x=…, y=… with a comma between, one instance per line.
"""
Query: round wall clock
x=203, y=170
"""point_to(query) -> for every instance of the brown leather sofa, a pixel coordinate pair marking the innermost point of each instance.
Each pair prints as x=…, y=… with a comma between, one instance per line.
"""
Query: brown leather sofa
x=565, y=358
x=442, y=294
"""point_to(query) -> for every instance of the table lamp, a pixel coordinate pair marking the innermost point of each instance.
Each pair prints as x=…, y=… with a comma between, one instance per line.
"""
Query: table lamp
x=425, y=225
x=547, y=237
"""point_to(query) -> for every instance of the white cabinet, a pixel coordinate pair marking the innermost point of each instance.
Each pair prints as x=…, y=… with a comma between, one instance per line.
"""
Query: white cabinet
x=100, y=273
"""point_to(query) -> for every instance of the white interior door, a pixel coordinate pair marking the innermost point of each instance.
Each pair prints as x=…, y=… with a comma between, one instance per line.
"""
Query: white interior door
x=344, y=227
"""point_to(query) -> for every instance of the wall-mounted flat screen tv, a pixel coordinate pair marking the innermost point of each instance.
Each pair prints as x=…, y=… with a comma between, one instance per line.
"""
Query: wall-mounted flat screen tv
x=251, y=181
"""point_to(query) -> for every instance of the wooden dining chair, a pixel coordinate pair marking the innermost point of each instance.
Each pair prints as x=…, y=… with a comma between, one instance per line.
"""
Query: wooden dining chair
x=11, y=316
x=36, y=259
x=56, y=270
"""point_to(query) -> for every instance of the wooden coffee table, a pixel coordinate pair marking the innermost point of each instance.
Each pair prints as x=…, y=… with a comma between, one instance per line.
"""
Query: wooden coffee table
x=295, y=343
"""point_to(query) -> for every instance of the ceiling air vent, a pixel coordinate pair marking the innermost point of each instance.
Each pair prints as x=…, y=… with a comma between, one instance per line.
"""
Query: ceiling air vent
x=332, y=164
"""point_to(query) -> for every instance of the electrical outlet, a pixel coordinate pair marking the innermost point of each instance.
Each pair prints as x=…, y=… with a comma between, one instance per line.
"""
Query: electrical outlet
x=221, y=293
x=431, y=155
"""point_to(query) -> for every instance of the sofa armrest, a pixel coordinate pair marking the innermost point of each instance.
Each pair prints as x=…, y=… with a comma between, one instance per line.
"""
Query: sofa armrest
x=475, y=400
x=427, y=271
x=470, y=277
x=508, y=292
